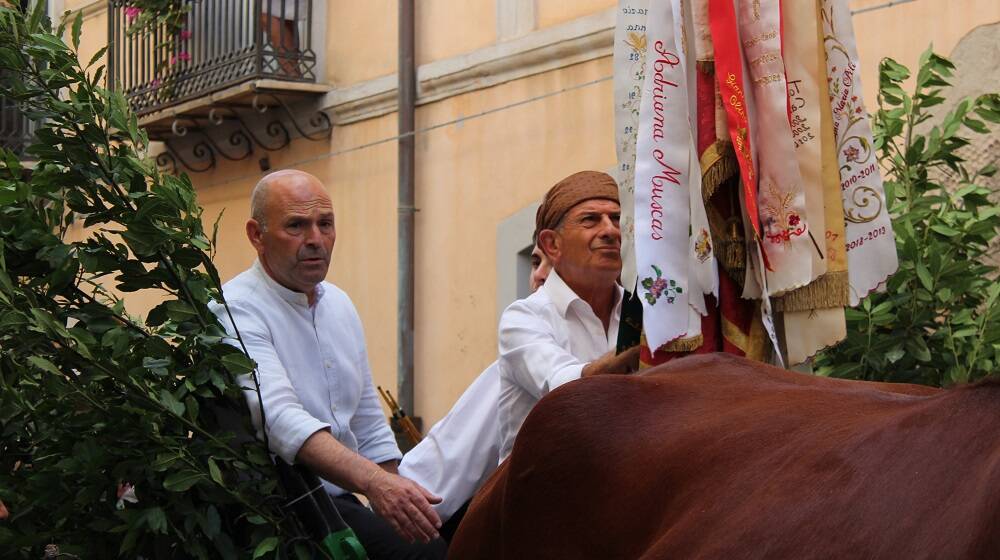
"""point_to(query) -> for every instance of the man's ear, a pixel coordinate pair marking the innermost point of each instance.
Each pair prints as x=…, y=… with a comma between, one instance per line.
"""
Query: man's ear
x=255, y=234
x=549, y=243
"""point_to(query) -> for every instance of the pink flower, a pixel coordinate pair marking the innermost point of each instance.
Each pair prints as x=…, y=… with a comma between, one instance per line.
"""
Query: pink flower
x=183, y=55
x=185, y=35
x=852, y=153
x=126, y=493
x=132, y=12
x=156, y=83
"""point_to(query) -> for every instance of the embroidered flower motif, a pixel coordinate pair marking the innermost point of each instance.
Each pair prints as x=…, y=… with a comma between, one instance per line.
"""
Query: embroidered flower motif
x=852, y=153
x=703, y=246
x=781, y=224
x=660, y=286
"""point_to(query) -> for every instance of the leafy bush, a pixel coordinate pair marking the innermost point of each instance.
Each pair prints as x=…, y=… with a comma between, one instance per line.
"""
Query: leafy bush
x=938, y=321
x=92, y=399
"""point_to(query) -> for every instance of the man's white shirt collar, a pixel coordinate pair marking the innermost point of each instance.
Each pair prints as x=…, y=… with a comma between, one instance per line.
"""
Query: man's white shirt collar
x=562, y=296
x=291, y=296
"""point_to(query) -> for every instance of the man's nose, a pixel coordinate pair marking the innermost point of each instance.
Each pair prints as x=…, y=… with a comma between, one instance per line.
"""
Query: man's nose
x=313, y=235
x=610, y=227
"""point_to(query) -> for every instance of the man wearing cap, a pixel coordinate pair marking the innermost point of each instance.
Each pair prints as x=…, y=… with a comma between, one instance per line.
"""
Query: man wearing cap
x=568, y=328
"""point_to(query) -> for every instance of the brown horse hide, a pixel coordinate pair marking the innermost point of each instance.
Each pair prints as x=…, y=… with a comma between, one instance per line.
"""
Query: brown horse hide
x=715, y=456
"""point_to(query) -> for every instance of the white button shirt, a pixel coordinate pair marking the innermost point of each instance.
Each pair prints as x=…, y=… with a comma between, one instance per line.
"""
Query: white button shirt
x=312, y=365
x=545, y=341
x=462, y=450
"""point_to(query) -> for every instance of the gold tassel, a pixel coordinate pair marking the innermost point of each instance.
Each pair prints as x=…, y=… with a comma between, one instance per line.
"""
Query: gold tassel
x=718, y=165
x=678, y=345
x=826, y=292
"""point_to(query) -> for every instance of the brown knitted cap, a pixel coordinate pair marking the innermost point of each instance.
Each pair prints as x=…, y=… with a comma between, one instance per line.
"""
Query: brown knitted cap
x=577, y=188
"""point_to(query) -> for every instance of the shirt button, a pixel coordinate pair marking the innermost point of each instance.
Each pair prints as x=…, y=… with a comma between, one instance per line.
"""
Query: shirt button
x=328, y=364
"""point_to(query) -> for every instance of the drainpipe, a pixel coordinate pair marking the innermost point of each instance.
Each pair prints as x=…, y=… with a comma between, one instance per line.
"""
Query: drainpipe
x=407, y=103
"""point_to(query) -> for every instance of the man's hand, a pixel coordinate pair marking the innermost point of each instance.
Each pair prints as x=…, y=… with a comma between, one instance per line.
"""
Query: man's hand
x=404, y=504
x=626, y=362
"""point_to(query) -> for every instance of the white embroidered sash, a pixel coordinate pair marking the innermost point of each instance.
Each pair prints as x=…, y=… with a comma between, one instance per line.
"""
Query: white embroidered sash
x=781, y=199
x=629, y=69
x=662, y=188
x=870, y=244
x=704, y=272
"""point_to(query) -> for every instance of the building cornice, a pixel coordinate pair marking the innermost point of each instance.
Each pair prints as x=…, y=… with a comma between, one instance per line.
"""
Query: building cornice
x=547, y=49
x=92, y=8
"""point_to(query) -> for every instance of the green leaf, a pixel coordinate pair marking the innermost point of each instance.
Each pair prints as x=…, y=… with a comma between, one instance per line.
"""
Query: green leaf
x=157, y=365
x=180, y=311
x=926, y=280
x=212, y=523
x=238, y=363
x=77, y=26
x=168, y=400
x=44, y=365
x=182, y=481
x=157, y=520
x=945, y=230
x=265, y=546
x=213, y=470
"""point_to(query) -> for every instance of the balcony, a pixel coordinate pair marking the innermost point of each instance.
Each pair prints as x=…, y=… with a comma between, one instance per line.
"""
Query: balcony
x=16, y=129
x=233, y=61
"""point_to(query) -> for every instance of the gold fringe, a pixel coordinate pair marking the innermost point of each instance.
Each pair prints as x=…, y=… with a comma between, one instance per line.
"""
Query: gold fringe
x=683, y=344
x=730, y=247
x=828, y=291
x=718, y=164
x=678, y=345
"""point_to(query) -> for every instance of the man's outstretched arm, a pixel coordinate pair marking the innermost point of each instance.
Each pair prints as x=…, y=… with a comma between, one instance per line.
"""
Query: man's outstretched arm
x=400, y=501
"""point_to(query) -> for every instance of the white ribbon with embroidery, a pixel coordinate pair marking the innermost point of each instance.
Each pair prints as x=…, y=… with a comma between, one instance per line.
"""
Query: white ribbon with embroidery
x=629, y=69
x=662, y=187
x=870, y=243
x=781, y=198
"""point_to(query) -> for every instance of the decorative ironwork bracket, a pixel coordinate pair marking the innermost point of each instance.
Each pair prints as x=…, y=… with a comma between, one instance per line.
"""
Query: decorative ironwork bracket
x=207, y=150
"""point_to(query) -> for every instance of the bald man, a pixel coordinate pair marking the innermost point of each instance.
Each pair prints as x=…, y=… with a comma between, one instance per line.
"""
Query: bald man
x=315, y=382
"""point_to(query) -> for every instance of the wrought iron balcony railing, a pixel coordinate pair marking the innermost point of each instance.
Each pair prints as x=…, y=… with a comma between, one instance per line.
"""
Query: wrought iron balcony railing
x=224, y=43
x=16, y=129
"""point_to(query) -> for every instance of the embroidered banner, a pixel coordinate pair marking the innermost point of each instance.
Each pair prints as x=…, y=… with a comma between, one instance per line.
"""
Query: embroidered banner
x=729, y=71
x=870, y=244
x=662, y=208
x=814, y=315
x=781, y=198
x=629, y=69
x=704, y=272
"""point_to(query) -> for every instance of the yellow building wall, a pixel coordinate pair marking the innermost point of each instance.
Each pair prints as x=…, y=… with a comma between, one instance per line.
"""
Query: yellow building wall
x=904, y=31
x=470, y=175
x=553, y=12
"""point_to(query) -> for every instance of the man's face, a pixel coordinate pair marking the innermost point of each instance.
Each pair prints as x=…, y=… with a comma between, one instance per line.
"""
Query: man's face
x=540, y=267
x=296, y=245
x=587, y=246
